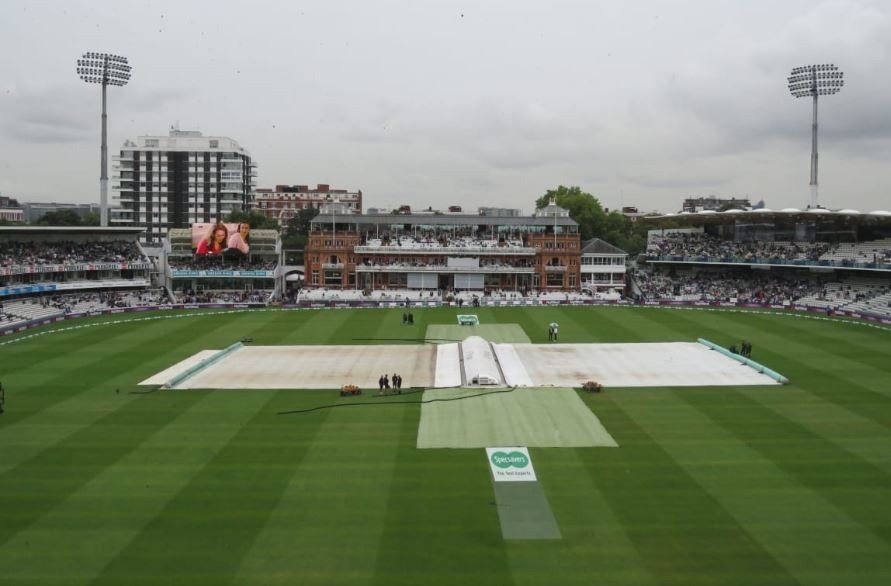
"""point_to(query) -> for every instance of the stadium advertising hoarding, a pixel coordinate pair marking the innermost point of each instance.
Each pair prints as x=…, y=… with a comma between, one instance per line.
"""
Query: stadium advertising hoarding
x=221, y=273
x=15, y=327
x=71, y=286
x=221, y=238
x=26, y=289
x=76, y=267
x=511, y=464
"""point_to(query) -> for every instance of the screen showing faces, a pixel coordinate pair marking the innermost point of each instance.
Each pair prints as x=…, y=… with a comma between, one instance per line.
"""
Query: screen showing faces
x=211, y=239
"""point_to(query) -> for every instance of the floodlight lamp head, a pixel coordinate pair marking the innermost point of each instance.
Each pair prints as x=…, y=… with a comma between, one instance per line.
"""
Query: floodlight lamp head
x=103, y=68
x=815, y=80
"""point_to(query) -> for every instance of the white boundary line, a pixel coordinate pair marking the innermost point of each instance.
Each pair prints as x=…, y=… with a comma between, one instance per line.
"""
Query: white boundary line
x=786, y=313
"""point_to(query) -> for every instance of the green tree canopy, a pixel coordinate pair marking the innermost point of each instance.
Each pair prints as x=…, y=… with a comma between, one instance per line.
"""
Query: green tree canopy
x=593, y=221
x=299, y=224
x=297, y=230
x=254, y=218
x=583, y=207
x=62, y=217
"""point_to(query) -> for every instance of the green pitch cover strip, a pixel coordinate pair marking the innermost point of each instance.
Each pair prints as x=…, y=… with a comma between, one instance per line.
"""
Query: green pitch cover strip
x=193, y=370
x=747, y=361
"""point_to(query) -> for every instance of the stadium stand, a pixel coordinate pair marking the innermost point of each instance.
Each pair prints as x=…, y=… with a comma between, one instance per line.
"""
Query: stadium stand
x=874, y=251
x=709, y=248
x=34, y=252
x=837, y=262
x=724, y=287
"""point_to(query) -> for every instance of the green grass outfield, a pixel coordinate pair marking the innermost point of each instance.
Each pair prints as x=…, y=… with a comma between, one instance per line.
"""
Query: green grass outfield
x=749, y=485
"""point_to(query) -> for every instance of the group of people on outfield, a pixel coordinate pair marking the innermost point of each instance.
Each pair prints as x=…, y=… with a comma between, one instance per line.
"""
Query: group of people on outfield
x=384, y=382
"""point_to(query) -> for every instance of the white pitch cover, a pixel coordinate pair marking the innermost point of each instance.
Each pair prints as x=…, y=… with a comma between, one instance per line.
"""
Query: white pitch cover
x=511, y=464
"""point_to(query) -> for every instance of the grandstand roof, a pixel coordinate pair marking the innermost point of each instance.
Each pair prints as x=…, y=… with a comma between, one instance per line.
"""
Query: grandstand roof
x=74, y=233
x=793, y=214
x=72, y=229
x=443, y=220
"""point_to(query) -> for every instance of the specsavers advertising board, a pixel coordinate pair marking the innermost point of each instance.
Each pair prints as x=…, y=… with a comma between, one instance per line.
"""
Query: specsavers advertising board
x=511, y=464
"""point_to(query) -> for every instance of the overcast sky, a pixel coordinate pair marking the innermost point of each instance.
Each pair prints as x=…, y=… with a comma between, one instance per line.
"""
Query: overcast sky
x=435, y=103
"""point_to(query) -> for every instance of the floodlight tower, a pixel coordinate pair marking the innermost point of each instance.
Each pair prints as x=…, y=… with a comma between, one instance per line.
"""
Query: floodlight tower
x=815, y=80
x=105, y=69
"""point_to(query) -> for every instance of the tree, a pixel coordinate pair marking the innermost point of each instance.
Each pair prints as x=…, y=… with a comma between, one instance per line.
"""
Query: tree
x=297, y=230
x=91, y=219
x=63, y=217
x=583, y=207
x=299, y=224
x=594, y=222
x=254, y=218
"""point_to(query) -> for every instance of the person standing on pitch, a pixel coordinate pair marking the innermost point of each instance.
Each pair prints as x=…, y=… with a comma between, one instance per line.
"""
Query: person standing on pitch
x=555, y=332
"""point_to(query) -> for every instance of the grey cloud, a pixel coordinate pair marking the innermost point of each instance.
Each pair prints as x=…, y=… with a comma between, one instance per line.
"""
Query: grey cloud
x=147, y=100
x=48, y=115
x=746, y=106
x=682, y=183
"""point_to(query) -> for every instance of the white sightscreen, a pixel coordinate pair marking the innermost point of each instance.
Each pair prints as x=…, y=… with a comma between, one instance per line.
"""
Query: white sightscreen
x=422, y=281
x=469, y=281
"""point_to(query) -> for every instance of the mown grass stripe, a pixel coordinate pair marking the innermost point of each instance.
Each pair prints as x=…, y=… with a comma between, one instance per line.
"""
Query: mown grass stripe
x=858, y=488
x=36, y=486
x=83, y=369
x=811, y=537
x=79, y=395
x=441, y=524
x=76, y=539
x=683, y=535
x=204, y=531
x=314, y=327
x=808, y=351
x=858, y=435
x=24, y=439
x=622, y=326
x=334, y=501
x=813, y=371
x=856, y=345
x=584, y=517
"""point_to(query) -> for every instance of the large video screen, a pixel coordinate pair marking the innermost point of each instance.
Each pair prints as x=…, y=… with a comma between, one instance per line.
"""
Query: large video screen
x=215, y=239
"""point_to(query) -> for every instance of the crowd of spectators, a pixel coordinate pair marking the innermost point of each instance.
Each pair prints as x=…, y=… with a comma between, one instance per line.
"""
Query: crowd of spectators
x=255, y=296
x=728, y=288
x=68, y=252
x=700, y=246
x=435, y=240
x=854, y=291
x=221, y=262
x=397, y=263
x=447, y=295
x=105, y=300
x=62, y=304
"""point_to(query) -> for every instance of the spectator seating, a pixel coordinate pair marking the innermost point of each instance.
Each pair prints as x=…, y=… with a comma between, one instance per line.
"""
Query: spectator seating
x=873, y=251
x=708, y=248
x=729, y=288
x=68, y=252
